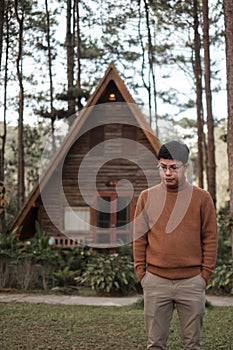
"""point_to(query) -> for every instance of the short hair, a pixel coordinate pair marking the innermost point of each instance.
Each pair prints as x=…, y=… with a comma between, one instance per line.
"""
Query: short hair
x=174, y=150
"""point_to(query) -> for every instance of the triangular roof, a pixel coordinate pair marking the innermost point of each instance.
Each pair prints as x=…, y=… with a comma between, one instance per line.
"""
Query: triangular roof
x=110, y=76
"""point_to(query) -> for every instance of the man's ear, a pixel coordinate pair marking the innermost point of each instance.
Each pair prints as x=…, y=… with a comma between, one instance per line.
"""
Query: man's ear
x=186, y=166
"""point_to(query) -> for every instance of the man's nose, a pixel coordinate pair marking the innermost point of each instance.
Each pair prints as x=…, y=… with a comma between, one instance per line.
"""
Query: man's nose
x=168, y=170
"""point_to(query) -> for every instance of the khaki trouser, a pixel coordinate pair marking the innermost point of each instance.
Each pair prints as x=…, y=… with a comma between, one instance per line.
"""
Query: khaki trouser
x=160, y=297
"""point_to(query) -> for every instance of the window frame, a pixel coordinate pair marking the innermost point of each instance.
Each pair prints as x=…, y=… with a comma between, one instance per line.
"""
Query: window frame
x=80, y=209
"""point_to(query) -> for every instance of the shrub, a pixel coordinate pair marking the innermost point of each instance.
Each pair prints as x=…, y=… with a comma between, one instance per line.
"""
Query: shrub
x=109, y=273
x=222, y=280
x=72, y=264
x=28, y=265
x=64, y=277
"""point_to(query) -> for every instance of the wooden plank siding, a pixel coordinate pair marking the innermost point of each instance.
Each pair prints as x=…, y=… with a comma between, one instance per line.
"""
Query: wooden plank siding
x=115, y=169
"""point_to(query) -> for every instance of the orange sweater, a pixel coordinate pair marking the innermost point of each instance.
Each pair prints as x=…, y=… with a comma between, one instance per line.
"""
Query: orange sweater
x=175, y=232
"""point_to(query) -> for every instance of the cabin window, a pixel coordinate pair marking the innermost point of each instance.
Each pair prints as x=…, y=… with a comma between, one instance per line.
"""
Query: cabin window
x=77, y=219
x=113, y=219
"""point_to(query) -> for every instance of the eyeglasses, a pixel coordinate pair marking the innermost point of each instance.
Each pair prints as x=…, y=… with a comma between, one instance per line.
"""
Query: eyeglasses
x=173, y=168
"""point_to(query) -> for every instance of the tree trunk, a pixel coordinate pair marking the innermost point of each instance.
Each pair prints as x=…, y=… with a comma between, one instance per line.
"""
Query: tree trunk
x=52, y=117
x=21, y=180
x=211, y=165
x=2, y=9
x=4, y=134
x=151, y=69
x=228, y=16
x=70, y=55
x=198, y=82
x=78, y=45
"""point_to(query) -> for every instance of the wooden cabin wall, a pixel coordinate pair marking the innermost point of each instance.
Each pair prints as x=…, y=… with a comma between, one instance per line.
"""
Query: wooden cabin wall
x=50, y=199
x=113, y=169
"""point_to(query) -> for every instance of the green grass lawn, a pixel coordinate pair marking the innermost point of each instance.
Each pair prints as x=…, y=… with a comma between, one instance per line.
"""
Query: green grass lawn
x=62, y=327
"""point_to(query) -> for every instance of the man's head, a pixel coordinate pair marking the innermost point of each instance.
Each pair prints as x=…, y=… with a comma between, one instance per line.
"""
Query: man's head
x=173, y=163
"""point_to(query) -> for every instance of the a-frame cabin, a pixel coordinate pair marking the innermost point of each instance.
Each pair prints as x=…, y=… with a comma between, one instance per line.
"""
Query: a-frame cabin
x=88, y=192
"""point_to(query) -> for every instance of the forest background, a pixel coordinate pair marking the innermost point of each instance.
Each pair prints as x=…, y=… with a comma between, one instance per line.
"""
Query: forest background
x=174, y=57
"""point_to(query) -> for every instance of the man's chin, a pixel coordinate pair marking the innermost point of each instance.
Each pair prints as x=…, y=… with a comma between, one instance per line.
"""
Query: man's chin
x=170, y=183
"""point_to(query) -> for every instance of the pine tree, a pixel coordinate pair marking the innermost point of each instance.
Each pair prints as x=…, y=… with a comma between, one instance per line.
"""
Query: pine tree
x=228, y=15
x=2, y=10
x=211, y=163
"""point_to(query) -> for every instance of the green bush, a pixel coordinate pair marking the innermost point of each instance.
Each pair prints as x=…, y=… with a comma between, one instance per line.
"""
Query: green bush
x=28, y=265
x=77, y=258
x=65, y=277
x=8, y=244
x=109, y=273
x=38, y=250
x=36, y=264
x=221, y=281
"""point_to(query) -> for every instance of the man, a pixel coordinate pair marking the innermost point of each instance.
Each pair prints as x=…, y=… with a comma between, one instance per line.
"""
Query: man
x=175, y=247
